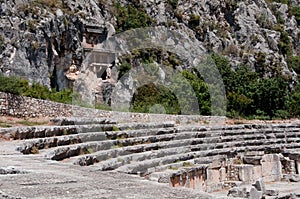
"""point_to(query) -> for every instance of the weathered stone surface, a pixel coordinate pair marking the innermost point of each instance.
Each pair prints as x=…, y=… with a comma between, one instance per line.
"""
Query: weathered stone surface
x=238, y=192
x=271, y=167
x=161, y=177
x=257, y=172
x=240, y=29
x=292, y=177
x=254, y=160
x=245, y=173
x=80, y=121
x=146, y=149
x=271, y=192
x=255, y=194
x=11, y=170
x=260, y=185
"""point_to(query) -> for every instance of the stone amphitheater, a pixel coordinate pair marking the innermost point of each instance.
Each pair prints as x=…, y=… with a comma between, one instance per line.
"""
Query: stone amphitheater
x=104, y=158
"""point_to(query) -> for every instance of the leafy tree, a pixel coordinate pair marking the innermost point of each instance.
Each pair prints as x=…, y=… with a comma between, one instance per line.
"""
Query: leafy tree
x=200, y=89
x=147, y=96
x=249, y=94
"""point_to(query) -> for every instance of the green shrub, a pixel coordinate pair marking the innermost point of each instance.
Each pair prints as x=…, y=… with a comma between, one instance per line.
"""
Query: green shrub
x=293, y=105
x=296, y=12
x=194, y=20
x=13, y=85
x=278, y=1
x=149, y=96
x=123, y=69
x=173, y=3
x=294, y=63
x=129, y=17
x=284, y=45
x=20, y=86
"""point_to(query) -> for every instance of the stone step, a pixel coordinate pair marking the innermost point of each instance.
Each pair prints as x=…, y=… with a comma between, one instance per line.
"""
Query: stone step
x=49, y=142
x=218, y=142
x=114, y=163
x=62, y=152
x=189, y=163
x=144, y=166
x=65, y=121
x=131, y=152
x=50, y=131
x=42, y=143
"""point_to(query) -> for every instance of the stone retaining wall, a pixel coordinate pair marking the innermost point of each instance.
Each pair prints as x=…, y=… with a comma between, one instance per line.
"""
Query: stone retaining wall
x=20, y=106
x=225, y=173
x=26, y=107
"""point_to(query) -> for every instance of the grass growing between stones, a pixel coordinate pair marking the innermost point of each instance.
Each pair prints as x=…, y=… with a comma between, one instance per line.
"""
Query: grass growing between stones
x=34, y=150
x=31, y=123
x=6, y=122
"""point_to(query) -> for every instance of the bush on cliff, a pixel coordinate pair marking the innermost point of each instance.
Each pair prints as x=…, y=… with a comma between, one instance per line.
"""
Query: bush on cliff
x=18, y=86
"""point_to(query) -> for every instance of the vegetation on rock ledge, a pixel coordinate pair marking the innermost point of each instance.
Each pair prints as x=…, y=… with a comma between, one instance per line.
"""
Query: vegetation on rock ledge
x=19, y=86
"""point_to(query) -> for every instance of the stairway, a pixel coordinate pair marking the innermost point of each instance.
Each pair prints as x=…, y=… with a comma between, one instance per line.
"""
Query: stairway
x=158, y=150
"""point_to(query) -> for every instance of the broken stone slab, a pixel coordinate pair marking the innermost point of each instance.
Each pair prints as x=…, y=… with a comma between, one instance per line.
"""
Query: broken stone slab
x=238, y=192
x=291, y=177
x=161, y=177
x=11, y=170
x=260, y=185
x=255, y=194
x=231, y=184
x=271, y=192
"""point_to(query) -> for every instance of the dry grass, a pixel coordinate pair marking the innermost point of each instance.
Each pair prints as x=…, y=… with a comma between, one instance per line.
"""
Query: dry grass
x=7, y=121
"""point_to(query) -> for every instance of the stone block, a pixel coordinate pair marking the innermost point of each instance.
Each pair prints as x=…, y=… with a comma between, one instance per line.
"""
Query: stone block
x=257, y=174
x=199, y=180
x=245, y=173
x=223, y=174
x=298, y=166
x=213, y=180
x=255, y=153
x=213, y=176
x=271, y=168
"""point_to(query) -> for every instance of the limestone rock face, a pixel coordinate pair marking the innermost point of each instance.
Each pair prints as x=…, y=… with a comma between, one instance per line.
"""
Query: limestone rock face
x=40, y=42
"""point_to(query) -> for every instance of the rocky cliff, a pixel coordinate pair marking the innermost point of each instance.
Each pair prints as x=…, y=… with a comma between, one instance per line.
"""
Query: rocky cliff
x=40, y=39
